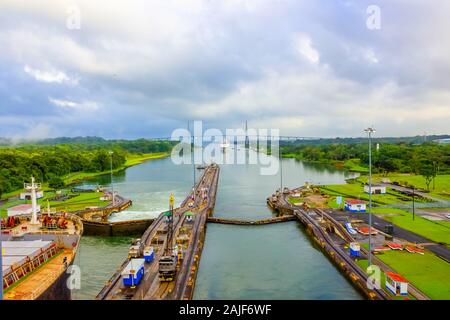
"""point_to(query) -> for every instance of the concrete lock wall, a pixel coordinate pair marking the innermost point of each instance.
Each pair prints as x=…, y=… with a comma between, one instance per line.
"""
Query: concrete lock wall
x=125, y=228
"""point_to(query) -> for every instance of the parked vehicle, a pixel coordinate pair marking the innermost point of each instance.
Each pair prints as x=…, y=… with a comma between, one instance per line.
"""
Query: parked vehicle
x=137, y=249
x=133, y=273
x=149, y=254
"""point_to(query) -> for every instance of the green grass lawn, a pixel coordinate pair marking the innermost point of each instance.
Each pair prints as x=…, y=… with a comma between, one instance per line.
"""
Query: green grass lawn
x=437, y=231
x=356, y=191
x=135, y=159
x=442, y=183
x=355, y=166
x=80, y=202
x=363, y=264
x=427, y=272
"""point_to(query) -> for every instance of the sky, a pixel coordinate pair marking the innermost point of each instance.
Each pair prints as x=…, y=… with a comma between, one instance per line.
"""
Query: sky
x=135, y=68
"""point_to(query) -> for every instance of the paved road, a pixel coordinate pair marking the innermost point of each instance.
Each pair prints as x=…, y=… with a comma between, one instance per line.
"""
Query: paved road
x=419, y=193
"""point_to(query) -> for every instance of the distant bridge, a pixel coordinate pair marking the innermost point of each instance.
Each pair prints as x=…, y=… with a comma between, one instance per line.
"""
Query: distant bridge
x=250, y=137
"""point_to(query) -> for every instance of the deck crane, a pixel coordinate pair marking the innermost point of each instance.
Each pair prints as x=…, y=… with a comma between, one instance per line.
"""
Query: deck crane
x=168, y=262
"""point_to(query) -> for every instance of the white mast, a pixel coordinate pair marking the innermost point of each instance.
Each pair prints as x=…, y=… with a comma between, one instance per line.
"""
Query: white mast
x=32, y=187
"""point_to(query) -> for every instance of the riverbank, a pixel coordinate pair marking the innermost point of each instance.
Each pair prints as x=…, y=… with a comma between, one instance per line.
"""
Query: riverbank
x=132, y=160
x=351, y=165
x=77, y=177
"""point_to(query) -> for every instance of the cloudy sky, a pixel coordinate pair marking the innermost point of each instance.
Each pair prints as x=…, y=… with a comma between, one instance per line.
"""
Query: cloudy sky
x=143, y=68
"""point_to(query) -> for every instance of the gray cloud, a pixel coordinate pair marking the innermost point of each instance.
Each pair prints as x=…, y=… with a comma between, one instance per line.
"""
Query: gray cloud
x=309, y=68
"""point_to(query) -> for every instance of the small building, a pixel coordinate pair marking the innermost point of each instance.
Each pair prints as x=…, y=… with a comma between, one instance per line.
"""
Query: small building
x=26, y=195
x=376, y=189
x=22, y=209
x=106, y=197
x=355, y=205
x=396, y=284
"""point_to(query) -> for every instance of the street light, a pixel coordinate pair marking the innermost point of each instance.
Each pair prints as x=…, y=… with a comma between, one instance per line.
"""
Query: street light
x=281, y=168
x=112, y=184
x=369, y=132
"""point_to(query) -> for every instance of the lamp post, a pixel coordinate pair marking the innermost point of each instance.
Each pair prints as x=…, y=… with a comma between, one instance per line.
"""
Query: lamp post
x=369, y=132
x=281, y=170
x=111, y=174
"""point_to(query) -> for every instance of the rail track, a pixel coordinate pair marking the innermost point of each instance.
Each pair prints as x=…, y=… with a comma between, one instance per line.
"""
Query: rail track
x=151, y=287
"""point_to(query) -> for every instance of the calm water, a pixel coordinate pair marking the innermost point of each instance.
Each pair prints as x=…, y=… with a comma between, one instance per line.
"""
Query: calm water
x=265, y=262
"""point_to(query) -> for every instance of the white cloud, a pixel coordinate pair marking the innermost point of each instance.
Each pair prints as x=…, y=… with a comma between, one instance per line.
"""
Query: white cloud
x=305, y=47
x=67, y=104
x=49, y=76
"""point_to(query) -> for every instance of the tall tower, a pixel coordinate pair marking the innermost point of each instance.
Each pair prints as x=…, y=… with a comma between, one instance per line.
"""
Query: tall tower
x=33, y=187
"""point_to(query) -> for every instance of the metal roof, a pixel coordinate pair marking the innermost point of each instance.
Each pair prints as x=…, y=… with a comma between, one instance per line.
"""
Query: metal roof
x=396, y=277
x=134, y=265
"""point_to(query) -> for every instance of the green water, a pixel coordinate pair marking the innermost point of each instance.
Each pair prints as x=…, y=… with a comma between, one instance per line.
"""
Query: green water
x=260, y=262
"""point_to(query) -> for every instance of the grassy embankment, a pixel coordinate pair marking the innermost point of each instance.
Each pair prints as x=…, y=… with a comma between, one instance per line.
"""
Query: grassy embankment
x=427, y=272
x=132, y=160
x=441, y=184
x=353, y=165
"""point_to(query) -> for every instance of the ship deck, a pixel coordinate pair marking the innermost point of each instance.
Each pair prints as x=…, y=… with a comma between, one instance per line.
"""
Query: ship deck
x=27, y=227
x=37, y=282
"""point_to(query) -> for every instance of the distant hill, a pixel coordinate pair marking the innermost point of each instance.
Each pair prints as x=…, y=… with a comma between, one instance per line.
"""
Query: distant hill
x=101, y=141
x=413, y=140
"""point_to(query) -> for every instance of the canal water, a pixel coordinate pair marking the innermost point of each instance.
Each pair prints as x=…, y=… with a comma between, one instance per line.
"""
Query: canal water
x=258, y=262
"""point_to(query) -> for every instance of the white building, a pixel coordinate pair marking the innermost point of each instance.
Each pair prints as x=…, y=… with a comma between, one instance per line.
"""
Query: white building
x=355, y=205
x=26, y=195
x=22, y=209
x=376, y=189
x=396, y=284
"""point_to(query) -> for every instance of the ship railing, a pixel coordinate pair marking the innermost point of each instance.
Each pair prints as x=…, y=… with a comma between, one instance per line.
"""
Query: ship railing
x=45, y=284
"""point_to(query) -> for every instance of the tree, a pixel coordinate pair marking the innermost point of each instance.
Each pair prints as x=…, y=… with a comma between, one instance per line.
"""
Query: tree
x=56, y=182
x=427, y=170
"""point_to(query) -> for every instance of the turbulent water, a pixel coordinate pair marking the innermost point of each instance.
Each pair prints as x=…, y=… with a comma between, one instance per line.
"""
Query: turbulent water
x=260, y=262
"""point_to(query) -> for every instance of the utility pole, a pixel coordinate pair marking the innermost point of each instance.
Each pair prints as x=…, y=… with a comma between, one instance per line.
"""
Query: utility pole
x=281, y=169
x=413, y=203
x=369, y=132
x=192, y=148
x=111, y=176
